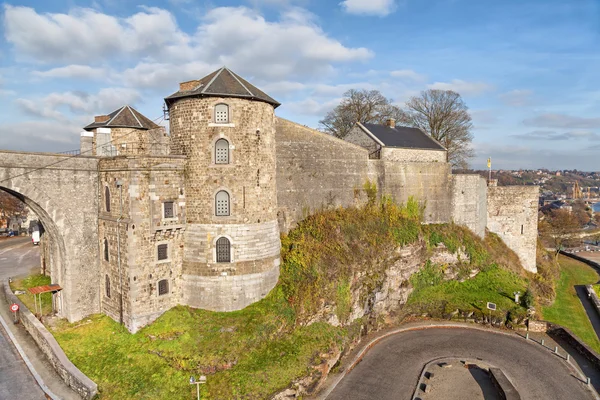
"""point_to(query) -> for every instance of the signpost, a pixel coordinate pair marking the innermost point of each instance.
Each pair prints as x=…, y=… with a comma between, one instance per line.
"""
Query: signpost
x=491, y=307
x=14, y=307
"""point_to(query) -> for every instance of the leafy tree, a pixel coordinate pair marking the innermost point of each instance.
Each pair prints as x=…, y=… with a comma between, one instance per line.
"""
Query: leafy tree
x=362, y=106
x=444, y=116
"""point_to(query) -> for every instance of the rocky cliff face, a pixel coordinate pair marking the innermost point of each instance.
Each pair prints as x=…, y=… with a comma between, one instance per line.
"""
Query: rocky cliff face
x=376, y=296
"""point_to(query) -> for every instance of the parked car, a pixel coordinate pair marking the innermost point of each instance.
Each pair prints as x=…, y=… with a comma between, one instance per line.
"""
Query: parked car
x=11, y=233
x=35, y=237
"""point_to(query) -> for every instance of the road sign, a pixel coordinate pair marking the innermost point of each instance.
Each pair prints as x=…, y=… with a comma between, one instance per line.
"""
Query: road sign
x=491, y=306
x=14, y=307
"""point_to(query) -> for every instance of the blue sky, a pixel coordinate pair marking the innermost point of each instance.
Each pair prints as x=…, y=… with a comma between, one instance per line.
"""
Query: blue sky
x=528, y=70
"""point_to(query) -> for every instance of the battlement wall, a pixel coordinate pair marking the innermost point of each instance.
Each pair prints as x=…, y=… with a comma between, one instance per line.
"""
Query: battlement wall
x=512, y=215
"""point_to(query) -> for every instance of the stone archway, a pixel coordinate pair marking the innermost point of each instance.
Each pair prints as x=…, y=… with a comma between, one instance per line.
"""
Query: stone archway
x=54, y=240
x=63, y=192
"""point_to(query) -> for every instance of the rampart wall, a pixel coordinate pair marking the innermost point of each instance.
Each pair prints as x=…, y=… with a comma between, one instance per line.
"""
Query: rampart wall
x=469, y=202
x=512, y=214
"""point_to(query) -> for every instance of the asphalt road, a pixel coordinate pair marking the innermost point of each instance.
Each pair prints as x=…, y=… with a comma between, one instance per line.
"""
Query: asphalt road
x=18, y=256
x=391, y=369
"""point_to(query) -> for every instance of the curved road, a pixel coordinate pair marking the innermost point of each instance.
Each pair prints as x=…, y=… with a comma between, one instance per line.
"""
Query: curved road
x=391, y=369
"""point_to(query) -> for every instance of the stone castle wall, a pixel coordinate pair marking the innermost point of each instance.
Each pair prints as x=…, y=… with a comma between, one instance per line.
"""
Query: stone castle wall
x=512, y=214
x=397, y=154
x=469, y=202
x=148, y=182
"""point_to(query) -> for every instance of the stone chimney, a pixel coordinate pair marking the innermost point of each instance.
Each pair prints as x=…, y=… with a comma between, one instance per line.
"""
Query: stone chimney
x=189, y=85
x=101, y=118
x=391, y=122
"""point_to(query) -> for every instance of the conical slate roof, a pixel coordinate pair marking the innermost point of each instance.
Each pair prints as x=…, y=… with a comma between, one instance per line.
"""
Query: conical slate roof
x=222, y=83
x=124, y=117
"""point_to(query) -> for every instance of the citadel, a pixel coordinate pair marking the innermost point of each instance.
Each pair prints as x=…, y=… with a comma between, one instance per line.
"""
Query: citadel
x=195, y=217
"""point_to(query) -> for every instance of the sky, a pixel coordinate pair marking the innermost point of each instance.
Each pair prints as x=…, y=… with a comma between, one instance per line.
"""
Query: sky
x=529, y=70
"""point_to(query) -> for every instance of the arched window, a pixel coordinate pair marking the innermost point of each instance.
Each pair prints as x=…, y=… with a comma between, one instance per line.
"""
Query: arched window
x=107, y=198
x=163, y=287
x=222, y=152
x=222, y=203
x=223, y=250
x=221, y=114
x=107, y=285
x=105, y=249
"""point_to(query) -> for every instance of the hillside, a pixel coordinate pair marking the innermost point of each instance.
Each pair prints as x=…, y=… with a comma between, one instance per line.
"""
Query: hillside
x=344, y=272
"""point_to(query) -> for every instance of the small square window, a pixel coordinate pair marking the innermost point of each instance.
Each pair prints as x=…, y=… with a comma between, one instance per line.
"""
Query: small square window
x=168, y=209
x=163, y=250
x=163, y=287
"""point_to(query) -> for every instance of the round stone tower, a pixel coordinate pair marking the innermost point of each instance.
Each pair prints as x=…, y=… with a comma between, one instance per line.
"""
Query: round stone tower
x=226, y=128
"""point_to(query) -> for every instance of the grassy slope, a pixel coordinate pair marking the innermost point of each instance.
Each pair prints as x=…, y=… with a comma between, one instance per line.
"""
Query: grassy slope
x=261, y=349
x=567, y=309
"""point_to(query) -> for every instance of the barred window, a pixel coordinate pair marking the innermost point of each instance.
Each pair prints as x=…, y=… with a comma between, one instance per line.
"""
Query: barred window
x=222, y=203
x=221, y=113
x=107, y=198
x=106, y=250
x=168, y=210
x=222, y=152
x=163, y=287
x=163, y=250
x=223, y=250
x=107, y=285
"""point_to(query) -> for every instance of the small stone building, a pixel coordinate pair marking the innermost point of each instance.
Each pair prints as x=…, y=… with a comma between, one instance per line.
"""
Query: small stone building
x=195, y=217
x=396, y=143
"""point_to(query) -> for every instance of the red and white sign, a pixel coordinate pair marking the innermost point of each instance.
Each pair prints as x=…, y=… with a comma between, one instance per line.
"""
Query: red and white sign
x=14, y=307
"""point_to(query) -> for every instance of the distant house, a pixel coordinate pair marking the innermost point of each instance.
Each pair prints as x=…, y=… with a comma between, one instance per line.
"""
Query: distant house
x=396, y=143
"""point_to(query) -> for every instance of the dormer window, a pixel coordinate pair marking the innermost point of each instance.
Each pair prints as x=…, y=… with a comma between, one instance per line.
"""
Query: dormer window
x=222, y=114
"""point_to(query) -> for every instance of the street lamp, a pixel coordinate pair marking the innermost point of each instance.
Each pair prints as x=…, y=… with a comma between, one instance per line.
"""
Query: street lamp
x=198, y=382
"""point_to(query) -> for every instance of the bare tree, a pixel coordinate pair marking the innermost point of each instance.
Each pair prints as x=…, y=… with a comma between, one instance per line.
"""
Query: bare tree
x=359, y=106
x=444, y=116
x=559, y=227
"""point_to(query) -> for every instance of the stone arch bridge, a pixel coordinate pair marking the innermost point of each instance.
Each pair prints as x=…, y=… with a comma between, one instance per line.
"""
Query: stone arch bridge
x=62, y=190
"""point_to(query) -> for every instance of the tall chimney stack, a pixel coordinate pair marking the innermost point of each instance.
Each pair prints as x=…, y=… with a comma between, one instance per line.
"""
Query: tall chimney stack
x=391, y=122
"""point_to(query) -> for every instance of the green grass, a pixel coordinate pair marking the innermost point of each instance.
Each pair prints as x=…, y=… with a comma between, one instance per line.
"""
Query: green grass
x=493, y=285
x=27, y=299
x=567, y=309
x=247, y=354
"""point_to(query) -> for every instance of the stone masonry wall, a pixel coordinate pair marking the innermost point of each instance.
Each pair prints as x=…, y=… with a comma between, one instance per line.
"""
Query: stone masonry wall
x=469, y=202
x=249, y=180
x=62, y=191
x=358, y=137
x=315, y=171
x=512, y=214
x=399, y=154
x=147, y=183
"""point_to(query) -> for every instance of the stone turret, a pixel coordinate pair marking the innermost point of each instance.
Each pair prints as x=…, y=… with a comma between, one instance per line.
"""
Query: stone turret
x=226, y=129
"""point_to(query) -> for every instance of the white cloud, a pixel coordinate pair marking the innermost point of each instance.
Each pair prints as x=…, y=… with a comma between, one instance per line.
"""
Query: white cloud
x=338, y=90
x=408, y=74
x=54, y=105
x=563, y=121
x=552, y=135
x=282, y=87
x=86, y=35
x=40, y=136
x=73, y=71
x=241, y=38
x=369, y=7
x=517, y=97
x=165, y=76
x=462, y=87
x=312, y=107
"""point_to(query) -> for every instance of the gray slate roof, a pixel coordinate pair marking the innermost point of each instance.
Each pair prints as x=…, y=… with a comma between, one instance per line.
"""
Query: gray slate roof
x=124, y=117
x=403, y=136
x=224, y=83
